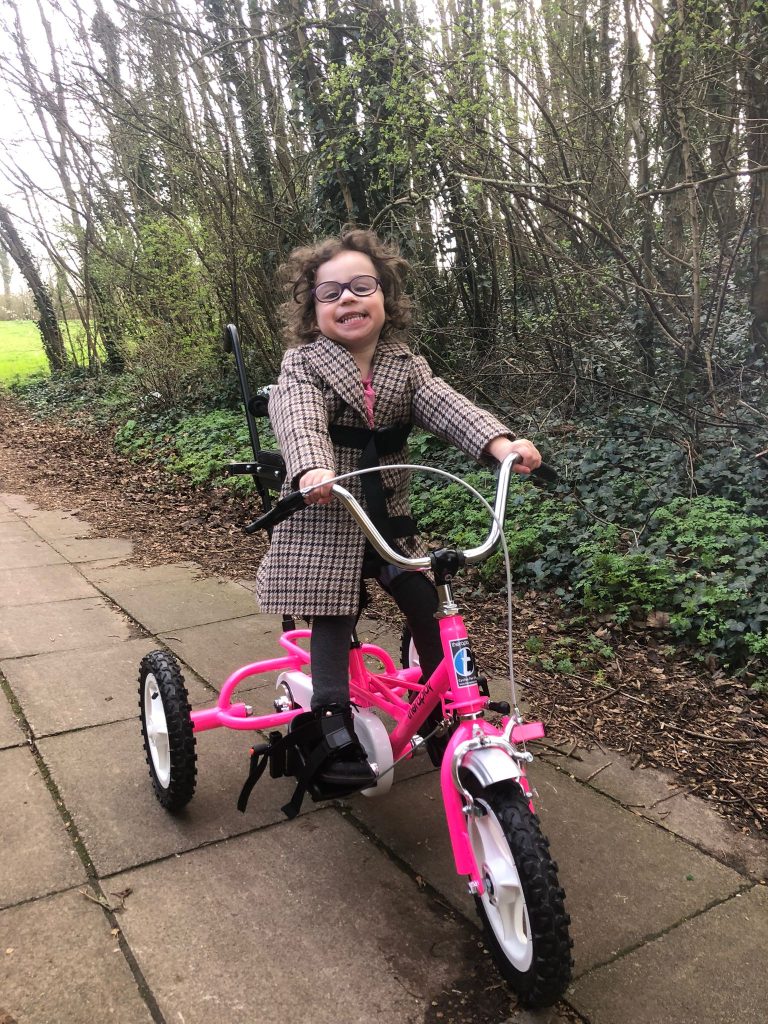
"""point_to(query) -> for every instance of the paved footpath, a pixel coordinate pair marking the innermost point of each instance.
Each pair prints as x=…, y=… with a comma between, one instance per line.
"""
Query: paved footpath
x=111, y=910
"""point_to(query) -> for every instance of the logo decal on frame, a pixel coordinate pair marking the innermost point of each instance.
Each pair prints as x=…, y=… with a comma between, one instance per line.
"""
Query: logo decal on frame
x=463, y=663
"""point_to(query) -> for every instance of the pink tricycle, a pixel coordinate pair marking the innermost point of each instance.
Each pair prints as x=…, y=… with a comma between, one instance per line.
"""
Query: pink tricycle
x=494, y=833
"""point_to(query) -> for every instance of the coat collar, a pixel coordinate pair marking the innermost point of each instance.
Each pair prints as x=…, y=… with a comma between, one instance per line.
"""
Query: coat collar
x=336, y=366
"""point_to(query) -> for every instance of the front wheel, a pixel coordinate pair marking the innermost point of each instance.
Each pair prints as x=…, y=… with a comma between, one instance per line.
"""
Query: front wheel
x=166, y=726
x=522, y=908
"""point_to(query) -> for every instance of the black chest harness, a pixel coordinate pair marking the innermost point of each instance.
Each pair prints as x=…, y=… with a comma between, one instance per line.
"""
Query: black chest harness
x=372, y=444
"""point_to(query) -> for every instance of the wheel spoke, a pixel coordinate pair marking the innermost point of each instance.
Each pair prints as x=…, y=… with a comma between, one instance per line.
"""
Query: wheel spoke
x=161, y=743
x=155, y=729
x=512, y=916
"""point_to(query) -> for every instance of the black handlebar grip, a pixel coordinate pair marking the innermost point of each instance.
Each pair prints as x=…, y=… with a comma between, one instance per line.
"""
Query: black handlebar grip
x=547, y=474
x=284, y=509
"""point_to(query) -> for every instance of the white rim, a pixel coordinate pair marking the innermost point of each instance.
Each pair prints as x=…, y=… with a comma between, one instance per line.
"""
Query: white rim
x=157, y=731
x=503, y=898
x=413, y=656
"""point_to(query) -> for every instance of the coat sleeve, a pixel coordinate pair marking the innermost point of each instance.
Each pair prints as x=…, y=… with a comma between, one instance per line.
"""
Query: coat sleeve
x=447, y=414
x=299, y=419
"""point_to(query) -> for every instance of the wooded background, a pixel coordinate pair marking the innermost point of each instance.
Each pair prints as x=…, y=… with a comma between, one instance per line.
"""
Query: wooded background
x=580, y=187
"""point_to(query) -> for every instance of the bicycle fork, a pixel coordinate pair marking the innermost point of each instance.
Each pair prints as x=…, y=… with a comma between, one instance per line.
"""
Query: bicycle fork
x=488, y=757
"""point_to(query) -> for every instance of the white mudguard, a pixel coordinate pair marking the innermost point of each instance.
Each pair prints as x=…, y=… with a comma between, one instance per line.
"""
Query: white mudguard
x=370, y=730
x=490, y=765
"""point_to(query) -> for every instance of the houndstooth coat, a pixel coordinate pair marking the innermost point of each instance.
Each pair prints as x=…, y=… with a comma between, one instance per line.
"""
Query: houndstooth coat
x=314, y=564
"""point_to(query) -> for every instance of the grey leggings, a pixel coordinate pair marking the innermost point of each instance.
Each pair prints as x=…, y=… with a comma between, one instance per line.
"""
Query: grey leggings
x=416, y=598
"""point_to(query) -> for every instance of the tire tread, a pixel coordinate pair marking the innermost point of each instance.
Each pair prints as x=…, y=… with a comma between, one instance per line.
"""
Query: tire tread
x=550, y=972
x=181, y=737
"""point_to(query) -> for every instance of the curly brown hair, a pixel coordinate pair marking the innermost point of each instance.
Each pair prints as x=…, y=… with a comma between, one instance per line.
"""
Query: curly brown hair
x=297, y=276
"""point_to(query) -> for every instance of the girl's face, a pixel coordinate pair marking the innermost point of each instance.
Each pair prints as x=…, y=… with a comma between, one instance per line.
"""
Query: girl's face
x=353, y=321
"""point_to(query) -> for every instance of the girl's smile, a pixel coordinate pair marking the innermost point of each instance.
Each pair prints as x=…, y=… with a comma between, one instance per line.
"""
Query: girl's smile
x=353, y=321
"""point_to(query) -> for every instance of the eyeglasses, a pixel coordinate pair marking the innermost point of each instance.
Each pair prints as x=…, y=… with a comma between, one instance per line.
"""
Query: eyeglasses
x=330, y=291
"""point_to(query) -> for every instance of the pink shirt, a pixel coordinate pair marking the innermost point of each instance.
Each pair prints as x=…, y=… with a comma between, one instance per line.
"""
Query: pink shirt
x=370, y=397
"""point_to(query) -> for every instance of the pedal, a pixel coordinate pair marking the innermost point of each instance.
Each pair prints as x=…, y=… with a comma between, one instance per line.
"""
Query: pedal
x=501, y=707
x=482, y=685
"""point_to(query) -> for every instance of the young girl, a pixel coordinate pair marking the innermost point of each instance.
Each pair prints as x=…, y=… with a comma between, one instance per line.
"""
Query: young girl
x=346, y=397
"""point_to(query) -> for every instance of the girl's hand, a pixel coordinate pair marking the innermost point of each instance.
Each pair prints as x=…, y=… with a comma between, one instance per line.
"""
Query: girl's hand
x=501, y=447
x=320, y=495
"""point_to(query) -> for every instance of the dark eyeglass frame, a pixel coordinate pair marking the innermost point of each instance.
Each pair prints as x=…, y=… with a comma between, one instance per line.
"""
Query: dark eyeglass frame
x=346, y=286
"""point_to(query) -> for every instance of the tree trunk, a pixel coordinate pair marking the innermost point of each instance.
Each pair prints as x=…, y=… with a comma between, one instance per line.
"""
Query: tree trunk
x=756, y=133
x=5, y=270
x=48, y=322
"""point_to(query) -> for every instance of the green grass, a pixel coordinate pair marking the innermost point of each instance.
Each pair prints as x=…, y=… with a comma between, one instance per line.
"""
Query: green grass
x=21, y=349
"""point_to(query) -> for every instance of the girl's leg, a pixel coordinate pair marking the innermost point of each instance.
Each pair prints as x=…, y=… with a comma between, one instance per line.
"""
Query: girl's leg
x=416, y=597
x=331, y=635
x=343, y=759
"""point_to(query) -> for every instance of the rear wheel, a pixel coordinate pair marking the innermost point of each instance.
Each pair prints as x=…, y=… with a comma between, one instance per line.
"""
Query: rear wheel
x=166, y=726
x=522, y=908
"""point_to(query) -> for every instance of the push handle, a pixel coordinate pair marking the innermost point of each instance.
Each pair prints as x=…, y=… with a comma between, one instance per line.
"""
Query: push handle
x=545, y=474
x=284, y=509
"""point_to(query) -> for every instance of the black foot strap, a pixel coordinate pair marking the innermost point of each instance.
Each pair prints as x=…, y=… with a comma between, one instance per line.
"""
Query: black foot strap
x=328, y=739
x=259, y=761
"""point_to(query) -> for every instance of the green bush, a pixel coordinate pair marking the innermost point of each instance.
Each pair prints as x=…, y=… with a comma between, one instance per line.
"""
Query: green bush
x=618, y=538
x=197, y=446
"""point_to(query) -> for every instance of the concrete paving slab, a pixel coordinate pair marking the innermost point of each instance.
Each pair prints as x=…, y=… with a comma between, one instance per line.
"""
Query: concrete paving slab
x=99, y=563
x=652, y=794
x=10, y=730
x=18, y=503
x=23, y=554
x=91, y=549
x=332, y=930
x=42, y=584
x=56, y=524
x=38, y=857
x=216, y=649
x=126, y=576
x=104, y=781
x=180, y=603
x=61, y=965
x=671, y=979
x=625, y=879
x=13, y=530
x=74, y=689
x=549, y=1016
x=60, y=626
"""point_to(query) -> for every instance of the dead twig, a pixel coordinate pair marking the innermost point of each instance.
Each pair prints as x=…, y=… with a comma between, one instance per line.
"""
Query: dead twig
x=715, y=739
x=598, y=770
x=687, y=790
x=758, y=814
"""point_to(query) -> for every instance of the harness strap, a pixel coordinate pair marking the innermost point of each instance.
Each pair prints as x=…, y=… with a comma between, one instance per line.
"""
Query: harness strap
x=259, y=761
x=330, y=741
x=260, y=755
x=372, y=444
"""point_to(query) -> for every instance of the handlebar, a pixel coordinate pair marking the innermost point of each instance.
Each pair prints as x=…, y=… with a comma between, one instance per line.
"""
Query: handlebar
x=294, y=502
